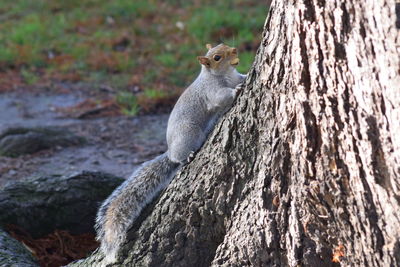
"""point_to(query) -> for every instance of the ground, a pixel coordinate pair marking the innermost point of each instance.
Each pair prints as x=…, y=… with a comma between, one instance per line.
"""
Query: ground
x=116, y=144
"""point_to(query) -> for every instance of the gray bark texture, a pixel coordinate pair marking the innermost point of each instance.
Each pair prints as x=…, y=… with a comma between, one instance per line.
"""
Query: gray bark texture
x=306, y=162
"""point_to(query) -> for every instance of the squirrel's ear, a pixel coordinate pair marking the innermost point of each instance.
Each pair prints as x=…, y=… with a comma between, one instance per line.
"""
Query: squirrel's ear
x=204, y=60
x=208, y=46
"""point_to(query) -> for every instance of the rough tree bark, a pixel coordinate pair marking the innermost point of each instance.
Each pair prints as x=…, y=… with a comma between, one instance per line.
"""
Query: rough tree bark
x=306, y=162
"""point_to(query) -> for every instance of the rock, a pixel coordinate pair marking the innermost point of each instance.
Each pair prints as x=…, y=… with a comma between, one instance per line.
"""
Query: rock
x=41, y=205
x=19, y=141
x=13, y=253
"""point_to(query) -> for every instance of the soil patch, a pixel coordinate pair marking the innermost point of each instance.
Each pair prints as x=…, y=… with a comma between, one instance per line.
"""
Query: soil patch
x=116, y=145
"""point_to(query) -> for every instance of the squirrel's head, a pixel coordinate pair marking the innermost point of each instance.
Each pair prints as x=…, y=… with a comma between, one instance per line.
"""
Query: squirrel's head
x=219, y=58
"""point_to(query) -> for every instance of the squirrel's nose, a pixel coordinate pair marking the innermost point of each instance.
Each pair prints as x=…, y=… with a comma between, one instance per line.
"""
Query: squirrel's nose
x=234, y=51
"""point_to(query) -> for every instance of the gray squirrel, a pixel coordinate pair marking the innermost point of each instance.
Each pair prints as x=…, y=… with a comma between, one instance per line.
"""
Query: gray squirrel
x=192, y=118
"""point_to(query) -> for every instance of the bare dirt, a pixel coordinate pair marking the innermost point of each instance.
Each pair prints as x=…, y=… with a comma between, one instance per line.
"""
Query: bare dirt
x=116, y=144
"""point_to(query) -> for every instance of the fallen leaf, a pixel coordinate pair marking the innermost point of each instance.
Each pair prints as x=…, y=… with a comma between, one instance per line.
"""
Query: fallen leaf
x=337, y=253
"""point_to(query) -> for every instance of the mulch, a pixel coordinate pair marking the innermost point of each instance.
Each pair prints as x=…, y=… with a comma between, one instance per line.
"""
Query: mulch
x=55, y=249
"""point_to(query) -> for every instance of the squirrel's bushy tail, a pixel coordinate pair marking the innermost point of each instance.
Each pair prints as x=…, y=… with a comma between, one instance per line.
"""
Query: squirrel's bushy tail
x=123, y=206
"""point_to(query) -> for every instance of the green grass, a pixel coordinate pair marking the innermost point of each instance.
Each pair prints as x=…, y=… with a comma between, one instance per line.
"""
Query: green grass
x=104, y=40
x=169, y=60
x=29, y=76
x=246, y=59
x=128, y=9
x=152, y=93
x=128, y=103
x=231, y=20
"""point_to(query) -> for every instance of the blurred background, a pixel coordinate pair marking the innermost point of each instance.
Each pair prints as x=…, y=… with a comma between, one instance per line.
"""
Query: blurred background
x=87, y=85
x=142, y=52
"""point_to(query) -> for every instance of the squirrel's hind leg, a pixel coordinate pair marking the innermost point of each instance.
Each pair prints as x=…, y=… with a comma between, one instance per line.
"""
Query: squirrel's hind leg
x=110, y=258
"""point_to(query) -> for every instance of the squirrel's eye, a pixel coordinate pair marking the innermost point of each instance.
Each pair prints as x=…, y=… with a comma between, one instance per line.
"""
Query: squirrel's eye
x=217, y=58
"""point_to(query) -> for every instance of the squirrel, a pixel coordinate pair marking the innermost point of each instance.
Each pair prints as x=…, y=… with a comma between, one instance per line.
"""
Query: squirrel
x=192, y=118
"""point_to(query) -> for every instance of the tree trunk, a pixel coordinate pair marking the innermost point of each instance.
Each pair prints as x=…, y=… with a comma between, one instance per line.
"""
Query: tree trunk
x=304, y=169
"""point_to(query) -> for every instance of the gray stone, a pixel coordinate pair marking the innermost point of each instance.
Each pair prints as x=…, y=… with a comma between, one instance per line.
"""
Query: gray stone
x=19, y=141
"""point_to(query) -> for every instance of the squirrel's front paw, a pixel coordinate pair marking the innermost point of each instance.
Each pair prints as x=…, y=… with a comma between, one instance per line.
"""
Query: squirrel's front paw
x=238, y=89
x=190, y=157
